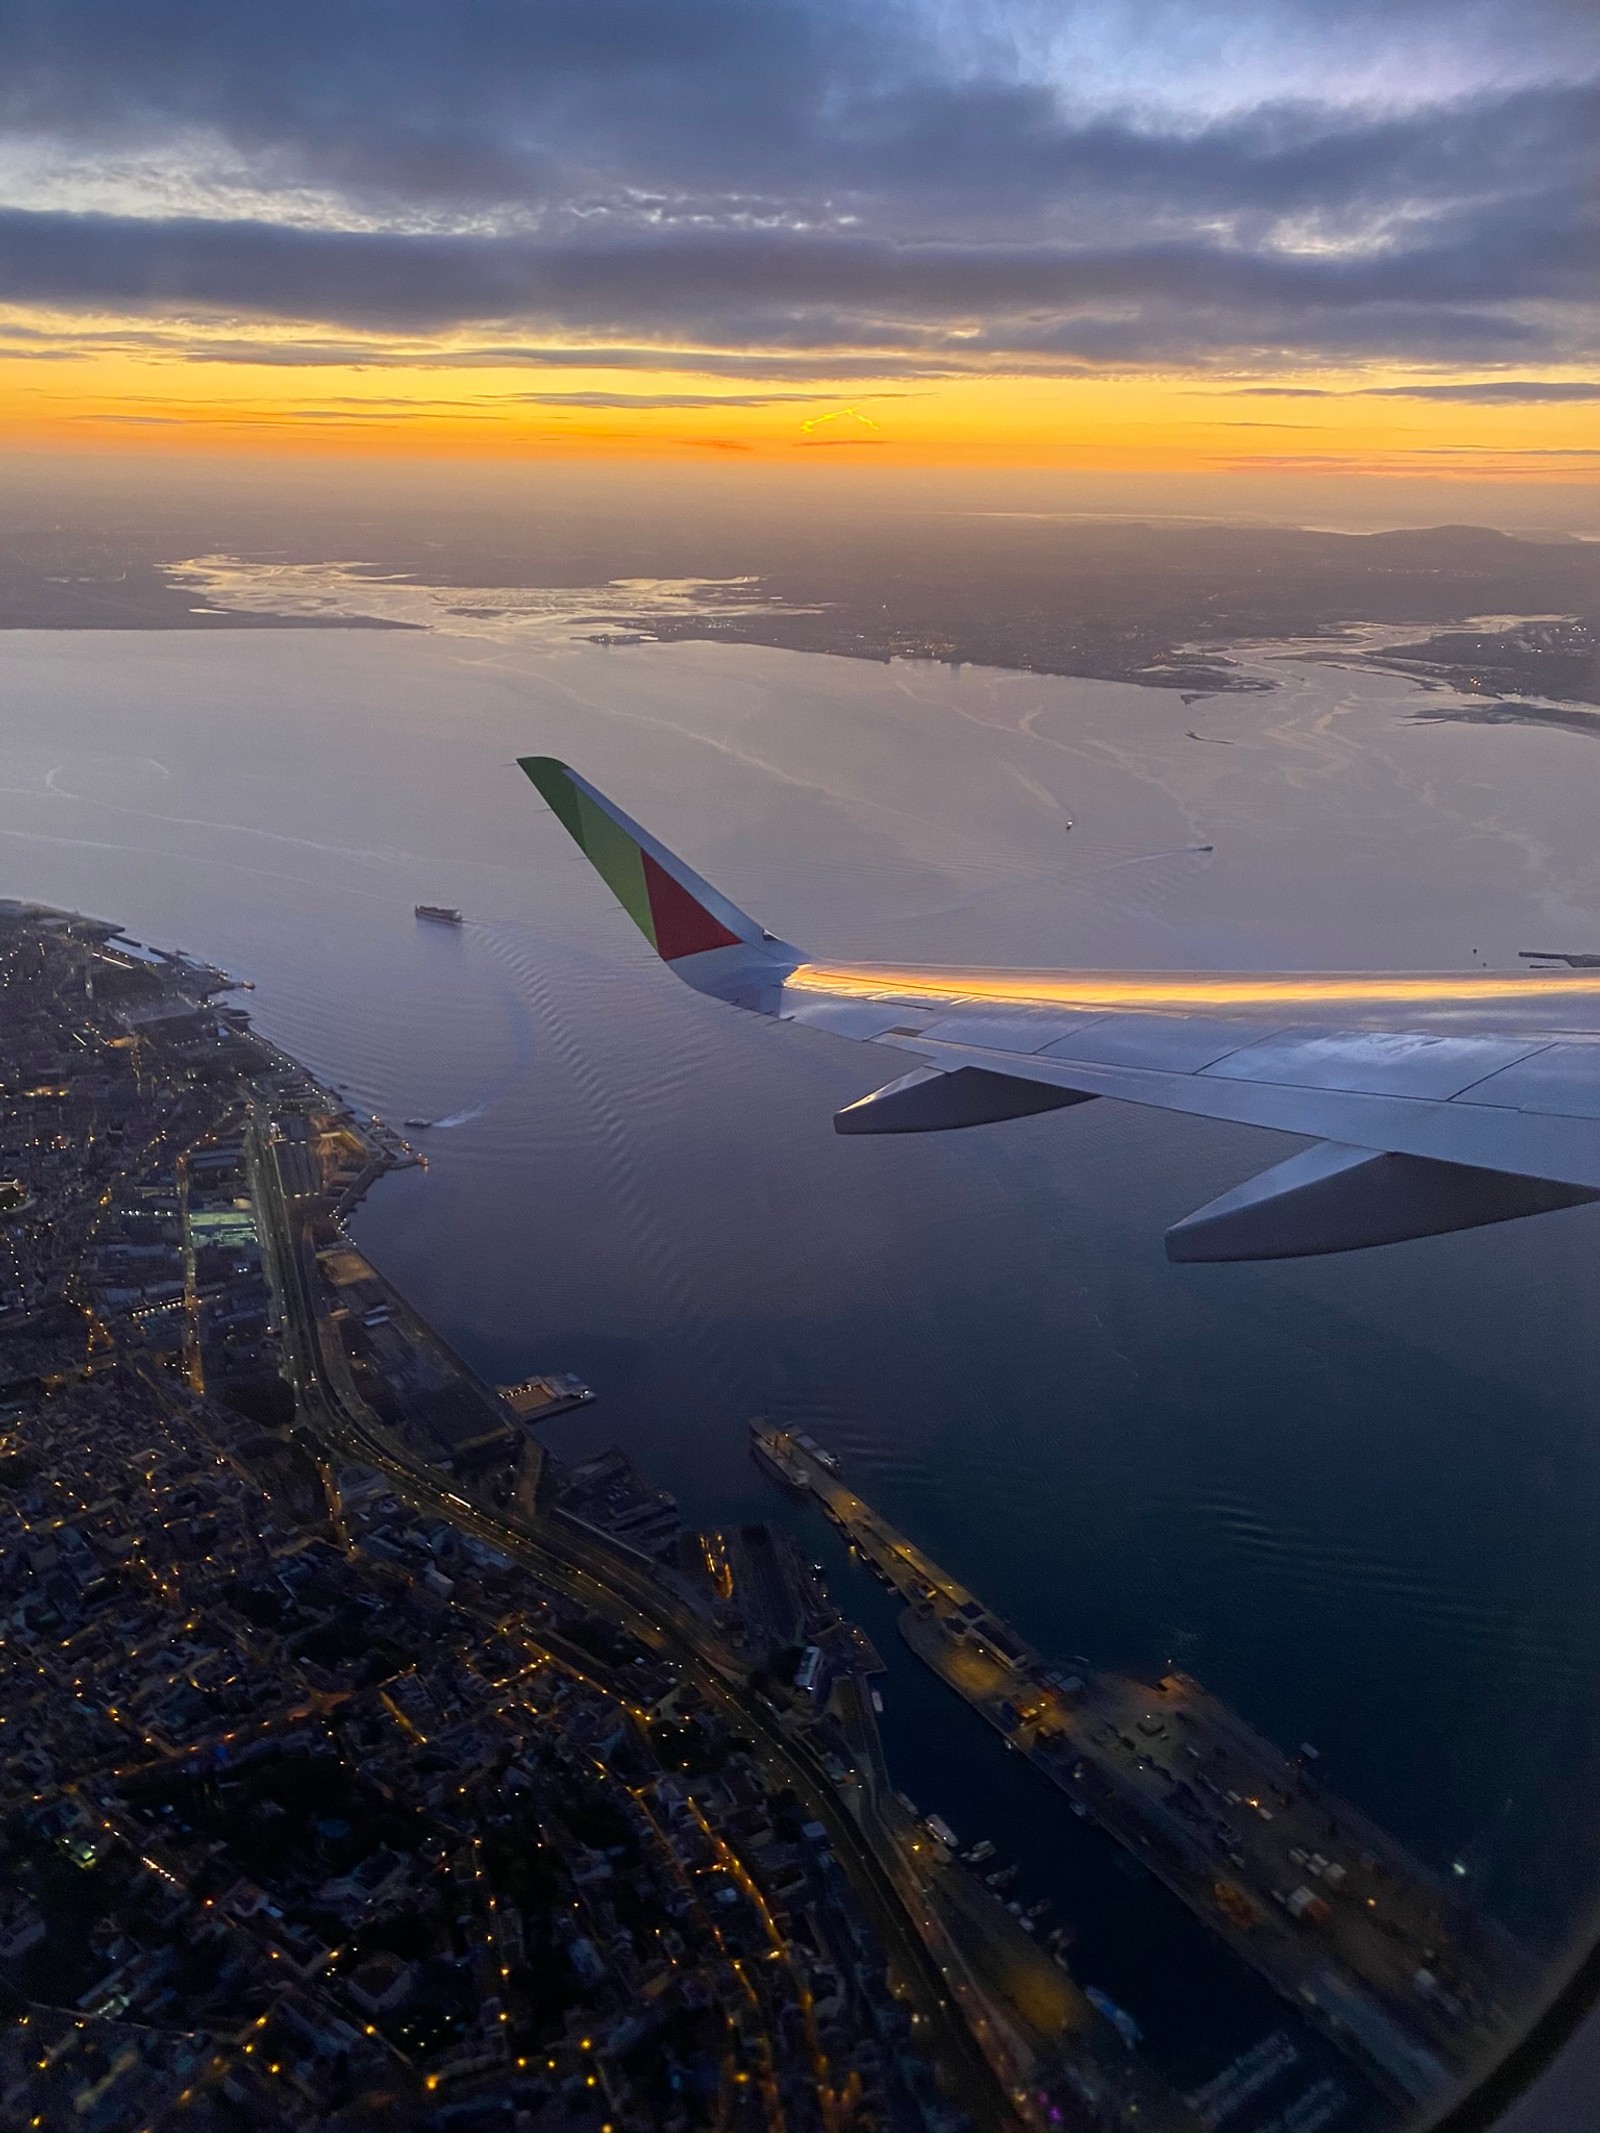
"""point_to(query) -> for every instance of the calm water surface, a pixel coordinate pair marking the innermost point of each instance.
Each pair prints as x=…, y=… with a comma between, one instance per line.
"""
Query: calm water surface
x=1359, y=1498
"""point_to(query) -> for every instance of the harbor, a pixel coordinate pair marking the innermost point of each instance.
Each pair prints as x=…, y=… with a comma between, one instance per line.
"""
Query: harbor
x=1379, y=1952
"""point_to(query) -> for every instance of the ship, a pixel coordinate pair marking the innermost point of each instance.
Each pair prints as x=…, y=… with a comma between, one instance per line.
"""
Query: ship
x=439, y=914
x=828, y=1461
x=1119, y=2018
x=771, y=1453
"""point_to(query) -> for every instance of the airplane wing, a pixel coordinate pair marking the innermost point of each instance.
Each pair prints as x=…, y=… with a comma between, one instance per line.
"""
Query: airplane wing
x=1438, y=1101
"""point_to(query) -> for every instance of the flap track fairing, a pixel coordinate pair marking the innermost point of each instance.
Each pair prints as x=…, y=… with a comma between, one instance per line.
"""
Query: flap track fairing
x=931, y=1101
x=1337, y=1199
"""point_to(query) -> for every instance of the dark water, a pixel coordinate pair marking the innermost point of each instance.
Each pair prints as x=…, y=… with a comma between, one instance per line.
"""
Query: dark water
x=1359, y=1498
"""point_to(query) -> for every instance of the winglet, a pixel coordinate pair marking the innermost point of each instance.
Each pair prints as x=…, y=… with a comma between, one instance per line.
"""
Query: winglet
x=679, y=913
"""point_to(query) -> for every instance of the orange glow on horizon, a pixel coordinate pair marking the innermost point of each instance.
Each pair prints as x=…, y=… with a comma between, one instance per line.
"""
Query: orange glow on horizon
x=184, y=393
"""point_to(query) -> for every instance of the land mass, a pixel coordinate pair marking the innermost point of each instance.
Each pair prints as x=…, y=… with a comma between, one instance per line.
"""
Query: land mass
x=369, y=1768
x=1155, y=603
x=1557, y=659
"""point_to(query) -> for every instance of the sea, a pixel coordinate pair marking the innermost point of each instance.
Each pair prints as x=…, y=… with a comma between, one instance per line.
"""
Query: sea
x=1359, y=1497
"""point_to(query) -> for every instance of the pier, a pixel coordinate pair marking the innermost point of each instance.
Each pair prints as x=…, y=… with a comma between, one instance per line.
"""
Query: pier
x=1367, y=1941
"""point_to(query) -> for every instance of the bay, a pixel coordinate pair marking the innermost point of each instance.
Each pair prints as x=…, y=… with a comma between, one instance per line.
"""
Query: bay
x=1357, y=1497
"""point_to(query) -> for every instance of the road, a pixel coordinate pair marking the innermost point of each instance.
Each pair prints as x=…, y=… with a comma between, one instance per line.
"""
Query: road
x=596, y=1579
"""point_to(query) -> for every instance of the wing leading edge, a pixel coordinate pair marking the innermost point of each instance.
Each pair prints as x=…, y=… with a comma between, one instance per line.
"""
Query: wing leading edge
x=1441, y=1101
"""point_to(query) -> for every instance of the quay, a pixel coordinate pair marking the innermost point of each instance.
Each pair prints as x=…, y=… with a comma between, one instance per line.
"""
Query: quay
x=1376, y=1949
x=539, y=1399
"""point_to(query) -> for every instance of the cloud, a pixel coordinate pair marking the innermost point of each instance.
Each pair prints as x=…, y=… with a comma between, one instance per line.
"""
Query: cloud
x=1454, y=296
x=195, y=341
x=1492, y=391
x=604, y=399
x=1481, y=392
x=1481, y=289
x=885, y=183
x=672, y=107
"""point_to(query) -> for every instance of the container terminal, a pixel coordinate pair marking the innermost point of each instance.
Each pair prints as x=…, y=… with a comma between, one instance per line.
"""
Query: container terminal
x=1376, y=1949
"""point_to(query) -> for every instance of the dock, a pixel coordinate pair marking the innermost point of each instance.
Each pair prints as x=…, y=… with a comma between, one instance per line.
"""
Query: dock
x=538, y=1399
x=1375, y=1948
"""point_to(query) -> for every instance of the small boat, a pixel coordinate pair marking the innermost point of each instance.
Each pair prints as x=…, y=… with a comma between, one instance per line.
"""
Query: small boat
x=416, y=1125
x=1119, y=2018
x=439, y=914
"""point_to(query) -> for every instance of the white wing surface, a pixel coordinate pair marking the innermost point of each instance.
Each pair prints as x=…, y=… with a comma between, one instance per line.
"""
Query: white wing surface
x=1439, y=1101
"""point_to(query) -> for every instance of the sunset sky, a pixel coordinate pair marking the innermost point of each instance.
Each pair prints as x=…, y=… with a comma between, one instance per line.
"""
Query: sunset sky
x=1352, y=235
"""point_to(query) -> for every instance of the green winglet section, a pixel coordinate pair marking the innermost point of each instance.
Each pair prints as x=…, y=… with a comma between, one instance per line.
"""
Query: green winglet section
x=604, y=843
x=554, y=782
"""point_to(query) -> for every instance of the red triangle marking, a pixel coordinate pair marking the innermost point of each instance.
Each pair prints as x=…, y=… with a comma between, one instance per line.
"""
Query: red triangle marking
x=683, y=926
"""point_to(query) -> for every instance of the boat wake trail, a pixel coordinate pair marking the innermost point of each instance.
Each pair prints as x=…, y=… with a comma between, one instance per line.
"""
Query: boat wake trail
x=465, y=1118
x=519, y=1025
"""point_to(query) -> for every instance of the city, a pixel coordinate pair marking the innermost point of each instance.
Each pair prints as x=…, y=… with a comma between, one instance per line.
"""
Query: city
x=367, y=1764
x=349, y=1787
x=619, y=619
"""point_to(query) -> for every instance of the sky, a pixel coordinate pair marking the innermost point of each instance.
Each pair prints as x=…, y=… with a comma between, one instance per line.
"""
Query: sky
x=1344, y=236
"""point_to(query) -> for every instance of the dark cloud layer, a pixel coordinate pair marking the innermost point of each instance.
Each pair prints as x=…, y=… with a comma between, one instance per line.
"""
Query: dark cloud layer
x=1451, y=296
x=603, y=399
x=1488, y=392
x=1481, y=392
x=794, y=176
